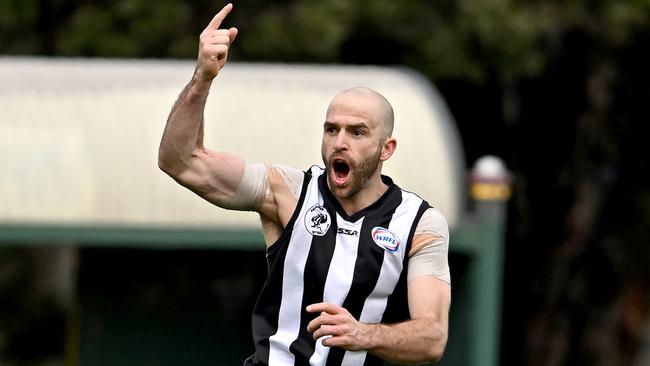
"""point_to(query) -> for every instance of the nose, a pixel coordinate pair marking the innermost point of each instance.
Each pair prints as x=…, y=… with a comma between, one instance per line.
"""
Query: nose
x=340, y=142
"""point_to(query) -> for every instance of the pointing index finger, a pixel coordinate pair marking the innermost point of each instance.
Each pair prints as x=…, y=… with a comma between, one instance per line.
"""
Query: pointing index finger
x=219, y=17
x=323, y=306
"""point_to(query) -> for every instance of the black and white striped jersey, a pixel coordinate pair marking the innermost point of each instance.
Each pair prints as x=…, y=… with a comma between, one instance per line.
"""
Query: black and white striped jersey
x=358, y=262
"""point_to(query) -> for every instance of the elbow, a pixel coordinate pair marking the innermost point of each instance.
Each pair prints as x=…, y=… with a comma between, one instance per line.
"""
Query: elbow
x=432, y=355
x=436, y=349
x=166, y=163
x=163, y=163
x=435, y=353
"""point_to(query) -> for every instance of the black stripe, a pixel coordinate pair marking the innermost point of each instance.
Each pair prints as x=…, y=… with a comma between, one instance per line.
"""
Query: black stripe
x=367, y=268
x=267, y=308
x=315, y=273
x=397, y=304
x=372, y=360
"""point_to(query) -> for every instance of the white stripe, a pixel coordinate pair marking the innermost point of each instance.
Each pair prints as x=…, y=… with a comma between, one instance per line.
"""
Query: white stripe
x=339, y=276
x=292, y=284
x=375, y=304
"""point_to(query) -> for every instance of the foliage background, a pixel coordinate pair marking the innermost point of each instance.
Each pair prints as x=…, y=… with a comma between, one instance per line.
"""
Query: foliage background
x=559, y=89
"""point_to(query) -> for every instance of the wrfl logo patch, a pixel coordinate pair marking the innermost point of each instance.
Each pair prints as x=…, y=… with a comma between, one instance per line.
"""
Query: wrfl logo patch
x=385, y=239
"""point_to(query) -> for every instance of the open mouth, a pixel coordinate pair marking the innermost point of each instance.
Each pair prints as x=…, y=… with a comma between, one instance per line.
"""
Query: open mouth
x=341, y=171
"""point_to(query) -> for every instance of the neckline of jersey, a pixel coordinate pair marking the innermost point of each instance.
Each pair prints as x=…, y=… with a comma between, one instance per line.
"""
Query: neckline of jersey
x=322, y=183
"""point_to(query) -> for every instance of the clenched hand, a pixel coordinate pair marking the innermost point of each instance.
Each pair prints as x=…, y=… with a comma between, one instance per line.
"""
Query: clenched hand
x=338, y=326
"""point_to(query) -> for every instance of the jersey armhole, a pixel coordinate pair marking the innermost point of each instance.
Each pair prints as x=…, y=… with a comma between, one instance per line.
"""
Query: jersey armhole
x=423, y=207
x=271, y=249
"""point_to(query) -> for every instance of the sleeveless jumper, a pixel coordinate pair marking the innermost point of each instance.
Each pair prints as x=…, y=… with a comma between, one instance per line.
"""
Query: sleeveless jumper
x=358, y=262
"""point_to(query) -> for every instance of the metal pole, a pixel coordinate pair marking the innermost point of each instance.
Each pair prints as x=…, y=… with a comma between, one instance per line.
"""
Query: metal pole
x=489, y=190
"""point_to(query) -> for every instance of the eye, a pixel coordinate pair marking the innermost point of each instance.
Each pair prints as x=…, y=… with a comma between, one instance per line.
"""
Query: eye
x=330, y=130
x=358, y=132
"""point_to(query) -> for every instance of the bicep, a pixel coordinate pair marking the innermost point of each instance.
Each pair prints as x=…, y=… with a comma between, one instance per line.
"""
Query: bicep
x=215, y=176
x=429, y=297
x=429, y=290
x=429, y=250
x=430, y=259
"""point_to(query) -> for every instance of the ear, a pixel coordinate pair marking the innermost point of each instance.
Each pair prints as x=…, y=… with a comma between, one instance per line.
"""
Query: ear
x=388, y=149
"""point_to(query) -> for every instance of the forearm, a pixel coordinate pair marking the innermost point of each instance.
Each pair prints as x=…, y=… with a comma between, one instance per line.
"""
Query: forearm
x=184, y=129
x=414, y=341
x=419, y=340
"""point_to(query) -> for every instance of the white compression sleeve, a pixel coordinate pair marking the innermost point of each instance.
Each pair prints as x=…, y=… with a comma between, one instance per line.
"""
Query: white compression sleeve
x=431, y=259
x=252, y=189
x=254, y=185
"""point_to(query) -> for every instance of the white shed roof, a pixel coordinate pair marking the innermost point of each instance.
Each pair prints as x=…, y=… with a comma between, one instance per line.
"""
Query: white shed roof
x=79, y=137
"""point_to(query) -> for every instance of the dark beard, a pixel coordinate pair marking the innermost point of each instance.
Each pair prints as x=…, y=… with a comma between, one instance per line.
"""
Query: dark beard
x=361, y=174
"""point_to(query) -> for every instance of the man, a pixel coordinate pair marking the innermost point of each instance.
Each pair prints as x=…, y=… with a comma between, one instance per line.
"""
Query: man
x=358, y=268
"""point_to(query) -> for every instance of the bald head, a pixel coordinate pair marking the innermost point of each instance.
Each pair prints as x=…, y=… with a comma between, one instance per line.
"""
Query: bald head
x=379, y=109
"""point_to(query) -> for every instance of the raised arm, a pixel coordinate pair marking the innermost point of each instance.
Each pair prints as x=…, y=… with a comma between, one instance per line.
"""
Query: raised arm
x=212, y=175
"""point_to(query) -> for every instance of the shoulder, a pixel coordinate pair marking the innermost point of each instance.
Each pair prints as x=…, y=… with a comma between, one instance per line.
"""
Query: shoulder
x=433, y=222
x=290, y=177
x=429, y=219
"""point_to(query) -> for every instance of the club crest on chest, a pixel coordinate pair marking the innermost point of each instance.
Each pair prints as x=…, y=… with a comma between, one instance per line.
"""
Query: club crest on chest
x=317, y=220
